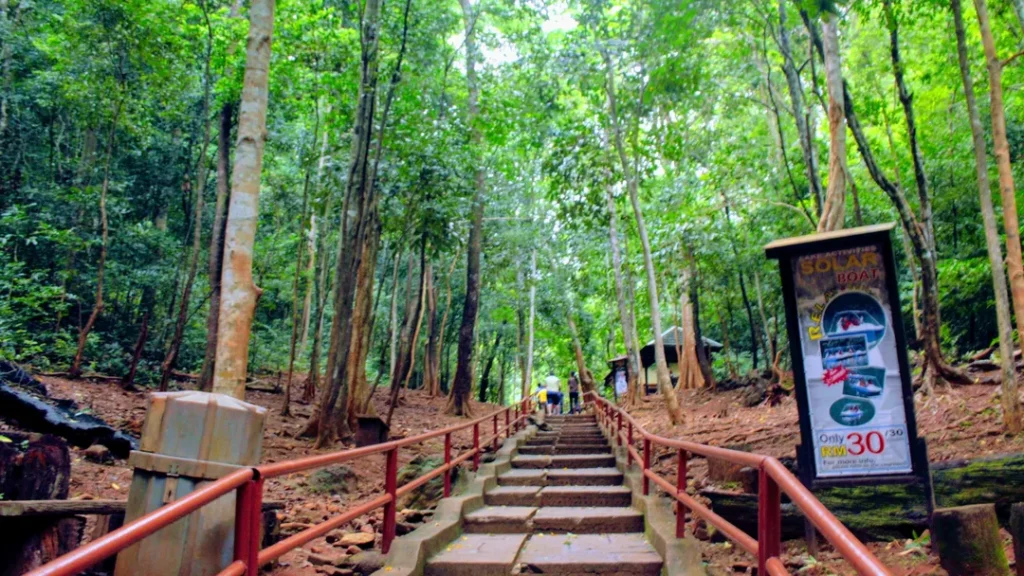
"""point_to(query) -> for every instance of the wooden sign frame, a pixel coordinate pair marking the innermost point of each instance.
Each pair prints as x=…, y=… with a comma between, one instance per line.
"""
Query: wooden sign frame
x=786, y=251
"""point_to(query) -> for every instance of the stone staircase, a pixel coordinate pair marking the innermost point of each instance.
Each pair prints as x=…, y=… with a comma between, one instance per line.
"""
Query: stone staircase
x=561, y=509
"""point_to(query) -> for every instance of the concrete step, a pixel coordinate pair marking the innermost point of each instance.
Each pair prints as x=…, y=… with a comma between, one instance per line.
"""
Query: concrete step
x=608, y=554
x=606, y=496
x=605, y=476
x=477, y=555
x=545, y=440
x=587, y=520
x=555, y=519
x=499, y=520
x=574, y=477
x=570, y=461
x=513, y=496
x=561, y=418
x=565, y=449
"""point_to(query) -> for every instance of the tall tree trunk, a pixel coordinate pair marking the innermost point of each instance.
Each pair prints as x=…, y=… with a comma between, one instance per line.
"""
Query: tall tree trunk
x=431, y=380
x=1010, y=399
x=485, y=376
x=356, y=402
x=906, y=99
x=393, y=331
x=531, y=318
x=702, y=355
x=357, y=215
x=299, y=260
x=796, y=95
x=410, y=330
x=200, y=172
x=322, y=257
x=690, y=375
x=462, y=385
x=834, y=209
x=216, y=263
x=922, y=251
x=238, y=291
x=97, y=308
x=311, y=278
x=586, y=376
x=633, y=393
x=1001, y=148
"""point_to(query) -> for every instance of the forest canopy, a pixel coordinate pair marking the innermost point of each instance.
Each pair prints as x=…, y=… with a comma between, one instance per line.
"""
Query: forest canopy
x=465, y=195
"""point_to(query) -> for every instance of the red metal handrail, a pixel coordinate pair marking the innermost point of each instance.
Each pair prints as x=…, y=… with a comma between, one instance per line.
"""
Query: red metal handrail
x=773, y=480
x=247, y=483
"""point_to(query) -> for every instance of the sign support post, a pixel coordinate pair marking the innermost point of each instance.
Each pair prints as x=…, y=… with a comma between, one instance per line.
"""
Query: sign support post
x=850, y=367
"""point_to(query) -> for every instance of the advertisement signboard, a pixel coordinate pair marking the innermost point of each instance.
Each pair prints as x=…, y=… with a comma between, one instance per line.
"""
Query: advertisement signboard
x=852, y=378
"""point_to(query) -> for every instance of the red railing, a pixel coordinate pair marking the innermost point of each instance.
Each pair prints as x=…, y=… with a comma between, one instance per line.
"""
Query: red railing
x=247, y=483
x=773, y=480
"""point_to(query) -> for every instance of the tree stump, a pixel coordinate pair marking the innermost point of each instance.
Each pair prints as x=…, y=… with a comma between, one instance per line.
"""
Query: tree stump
x=1017, y=531
x=967, y=540
x=35, y=467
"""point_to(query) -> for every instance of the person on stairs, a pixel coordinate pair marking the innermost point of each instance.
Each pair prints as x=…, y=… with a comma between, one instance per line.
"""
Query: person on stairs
x=552, y=384
x=574, y=393
x=542, y=398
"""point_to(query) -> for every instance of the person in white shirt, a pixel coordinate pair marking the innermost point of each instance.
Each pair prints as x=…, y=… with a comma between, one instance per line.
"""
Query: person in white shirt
x=552, y=383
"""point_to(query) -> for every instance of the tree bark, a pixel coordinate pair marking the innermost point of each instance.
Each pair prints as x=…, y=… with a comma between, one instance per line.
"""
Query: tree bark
x=531, y=318
x=410, y=331
x=299, y=260
x=238, y=291
x=311, y=279
x=834, y=209
x=690, y=375
x=216, y=263
x=462, y=385
x=485, y=376
x=922, y=251
x=664, y=378
x=83, y=335
x=431, y=380
x=586, y=376
x=355, y=394
x=201, y=170
x=1009, y=398
x=633, y=394
x=357, y=215
x=1001, y=149
x=796, y=94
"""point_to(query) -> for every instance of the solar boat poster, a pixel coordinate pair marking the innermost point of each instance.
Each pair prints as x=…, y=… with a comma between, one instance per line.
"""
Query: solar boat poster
x=855, y=397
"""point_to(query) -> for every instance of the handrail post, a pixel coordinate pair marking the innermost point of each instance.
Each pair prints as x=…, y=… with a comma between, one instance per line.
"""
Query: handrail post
x=508, y=430
x=252, y=550
x=681, y=487
x=629, y=438
x=494, y=439
x=769, y=520
x=243, y=507
x=391, y=508
x=647, y=465
x=476, y=446
x=448, y=462
x=618, y=430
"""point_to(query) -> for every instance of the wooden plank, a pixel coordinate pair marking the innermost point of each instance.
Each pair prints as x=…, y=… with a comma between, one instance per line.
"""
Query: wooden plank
x=843, y=233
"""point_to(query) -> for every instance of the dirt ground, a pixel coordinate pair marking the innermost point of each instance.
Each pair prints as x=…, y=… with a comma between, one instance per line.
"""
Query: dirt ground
x=957, y=422
x=417, y=413
x=960, y=422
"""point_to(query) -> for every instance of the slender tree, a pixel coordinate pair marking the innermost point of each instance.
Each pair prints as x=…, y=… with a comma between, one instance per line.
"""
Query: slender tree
x=1001, y=149
x=462, y=385
x=239, y=292
x=1009, y=398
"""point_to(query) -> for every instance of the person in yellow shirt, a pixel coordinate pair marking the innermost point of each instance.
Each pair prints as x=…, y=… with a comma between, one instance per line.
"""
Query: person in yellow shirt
x=542, y=398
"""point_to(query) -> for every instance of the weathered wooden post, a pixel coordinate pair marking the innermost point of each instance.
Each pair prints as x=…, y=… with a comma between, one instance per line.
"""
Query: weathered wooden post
x=189, y=439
